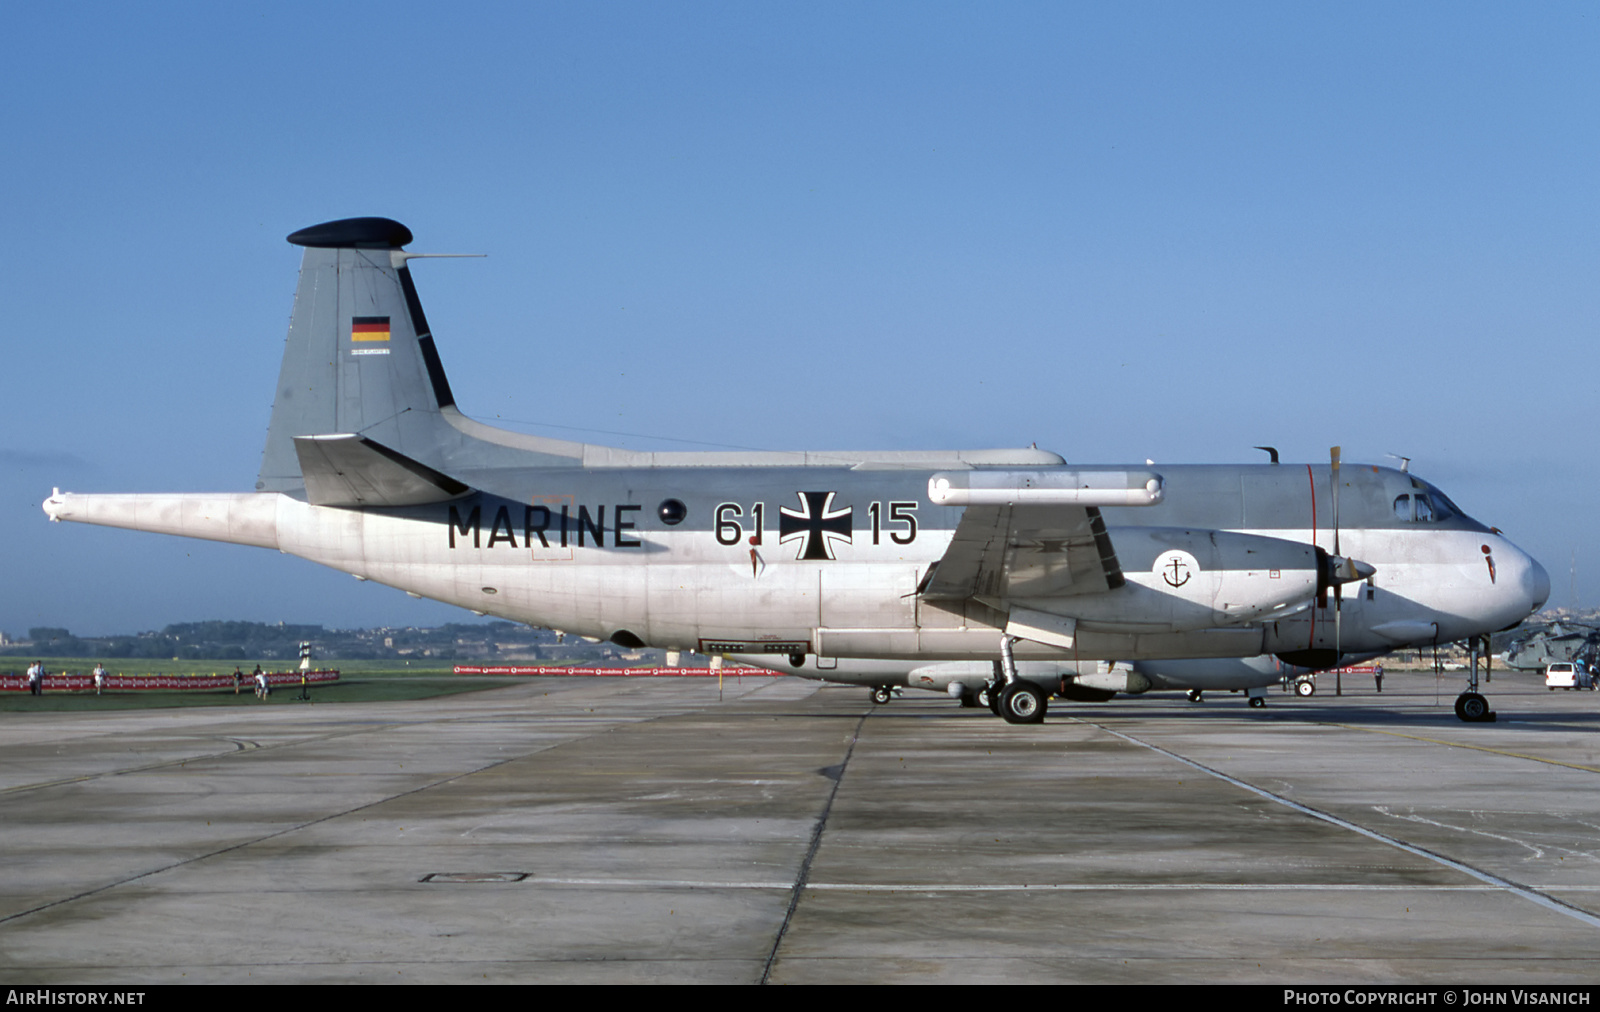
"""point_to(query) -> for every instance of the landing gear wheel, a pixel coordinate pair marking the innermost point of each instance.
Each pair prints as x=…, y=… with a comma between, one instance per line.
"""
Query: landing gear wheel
x=1473, y=708
x=1022, y=703
x=1257, y=702
x=882, y=694
x=990, y=697
x=1194, y=695
x=970, y=700
x=1307, y=688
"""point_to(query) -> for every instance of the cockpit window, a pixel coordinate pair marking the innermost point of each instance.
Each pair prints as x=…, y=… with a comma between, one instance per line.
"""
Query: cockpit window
x=1425, y=504
x=1444, y=505
x=1424, y=507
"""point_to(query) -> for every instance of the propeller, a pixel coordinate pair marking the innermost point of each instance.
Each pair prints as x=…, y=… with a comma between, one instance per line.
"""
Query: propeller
x=1335, y=570
x=1338, y=588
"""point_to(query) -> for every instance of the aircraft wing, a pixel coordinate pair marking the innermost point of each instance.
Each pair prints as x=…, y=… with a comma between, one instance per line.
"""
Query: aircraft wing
x=1025, y=551
x=1033, y=533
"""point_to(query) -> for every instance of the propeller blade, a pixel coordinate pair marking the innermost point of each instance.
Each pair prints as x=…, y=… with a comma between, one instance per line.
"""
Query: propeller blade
x=1338, y=591
x=1333, y=456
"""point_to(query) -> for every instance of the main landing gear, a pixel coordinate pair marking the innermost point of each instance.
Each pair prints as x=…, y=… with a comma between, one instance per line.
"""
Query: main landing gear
x=1016, y=700
x=882, y=694
x=1023, y=703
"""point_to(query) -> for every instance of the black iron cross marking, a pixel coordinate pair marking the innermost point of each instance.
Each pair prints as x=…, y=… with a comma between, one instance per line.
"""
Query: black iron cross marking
x=815, y=523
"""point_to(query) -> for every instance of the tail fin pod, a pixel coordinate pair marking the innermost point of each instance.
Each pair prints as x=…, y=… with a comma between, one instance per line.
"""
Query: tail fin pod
x=359, y=358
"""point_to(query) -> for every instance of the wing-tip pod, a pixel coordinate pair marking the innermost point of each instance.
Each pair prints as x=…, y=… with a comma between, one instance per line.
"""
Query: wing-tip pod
x=1051, y=487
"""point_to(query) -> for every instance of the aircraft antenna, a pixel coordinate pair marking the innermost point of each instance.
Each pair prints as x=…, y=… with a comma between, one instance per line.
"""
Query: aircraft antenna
x=1271, y=451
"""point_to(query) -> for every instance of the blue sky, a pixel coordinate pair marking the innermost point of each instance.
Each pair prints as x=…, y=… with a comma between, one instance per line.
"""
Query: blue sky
x=1166, y=231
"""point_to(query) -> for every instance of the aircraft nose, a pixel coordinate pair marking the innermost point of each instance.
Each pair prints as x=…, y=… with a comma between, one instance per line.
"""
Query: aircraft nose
x=1537, y=582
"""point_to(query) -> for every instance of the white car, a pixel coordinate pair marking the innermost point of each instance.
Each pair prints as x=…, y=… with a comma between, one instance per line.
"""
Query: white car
x=1567, y=675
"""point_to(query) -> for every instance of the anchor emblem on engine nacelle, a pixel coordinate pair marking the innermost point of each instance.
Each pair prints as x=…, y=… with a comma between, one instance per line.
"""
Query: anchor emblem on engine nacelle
x=1176, y=568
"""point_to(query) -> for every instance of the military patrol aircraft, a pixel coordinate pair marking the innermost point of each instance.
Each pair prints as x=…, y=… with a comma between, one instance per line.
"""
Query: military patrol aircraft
x=963, y=555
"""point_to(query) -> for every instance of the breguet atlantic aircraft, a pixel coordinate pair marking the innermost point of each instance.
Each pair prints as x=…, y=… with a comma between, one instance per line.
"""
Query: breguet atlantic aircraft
x=1000, y=556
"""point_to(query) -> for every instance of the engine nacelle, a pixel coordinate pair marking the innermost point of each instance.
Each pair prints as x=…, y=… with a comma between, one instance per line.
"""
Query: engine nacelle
x=1180, y=579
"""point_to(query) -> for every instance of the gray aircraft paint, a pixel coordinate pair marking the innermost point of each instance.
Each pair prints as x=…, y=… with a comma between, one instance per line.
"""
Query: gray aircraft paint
x=370, y=468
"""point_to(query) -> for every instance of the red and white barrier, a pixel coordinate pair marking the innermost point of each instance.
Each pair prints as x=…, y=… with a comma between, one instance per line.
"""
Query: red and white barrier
x=77, y=682
x=643, y=672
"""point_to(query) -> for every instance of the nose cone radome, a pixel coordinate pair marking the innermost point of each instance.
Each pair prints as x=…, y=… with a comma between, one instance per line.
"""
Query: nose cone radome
x=1537, y=583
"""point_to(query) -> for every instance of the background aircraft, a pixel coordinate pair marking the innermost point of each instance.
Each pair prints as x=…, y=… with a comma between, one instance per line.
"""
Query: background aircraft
x=1559, y=641
x=1084, y=681
x=960, y=555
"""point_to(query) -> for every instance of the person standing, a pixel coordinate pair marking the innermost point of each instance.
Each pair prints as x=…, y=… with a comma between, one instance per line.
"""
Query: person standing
x=36, y=678
x=99, y=677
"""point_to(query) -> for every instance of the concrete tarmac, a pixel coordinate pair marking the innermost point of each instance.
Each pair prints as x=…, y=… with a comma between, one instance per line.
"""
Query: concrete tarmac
x=615, y=830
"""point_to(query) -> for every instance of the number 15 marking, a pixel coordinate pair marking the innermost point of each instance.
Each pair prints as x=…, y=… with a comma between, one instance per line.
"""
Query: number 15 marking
x=899, y=513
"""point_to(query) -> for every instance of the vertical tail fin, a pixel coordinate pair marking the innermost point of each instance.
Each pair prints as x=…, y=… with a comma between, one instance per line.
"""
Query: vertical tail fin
x=359, y=357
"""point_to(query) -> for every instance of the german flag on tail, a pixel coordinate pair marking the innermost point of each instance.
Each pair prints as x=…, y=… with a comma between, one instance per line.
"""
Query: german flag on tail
x=369, y=328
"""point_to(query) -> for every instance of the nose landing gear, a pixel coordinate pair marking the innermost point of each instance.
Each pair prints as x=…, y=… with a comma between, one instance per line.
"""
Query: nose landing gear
x=1471, y=707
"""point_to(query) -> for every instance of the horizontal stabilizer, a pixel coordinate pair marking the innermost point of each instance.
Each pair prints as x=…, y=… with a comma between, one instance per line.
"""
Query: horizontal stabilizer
x=352, y=470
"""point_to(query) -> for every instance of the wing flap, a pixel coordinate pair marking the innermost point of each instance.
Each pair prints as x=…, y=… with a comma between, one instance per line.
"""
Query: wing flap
x=1011, y=551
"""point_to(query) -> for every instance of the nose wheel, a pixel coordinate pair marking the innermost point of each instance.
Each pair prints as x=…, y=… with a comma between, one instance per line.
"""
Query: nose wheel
x=1471, y=707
